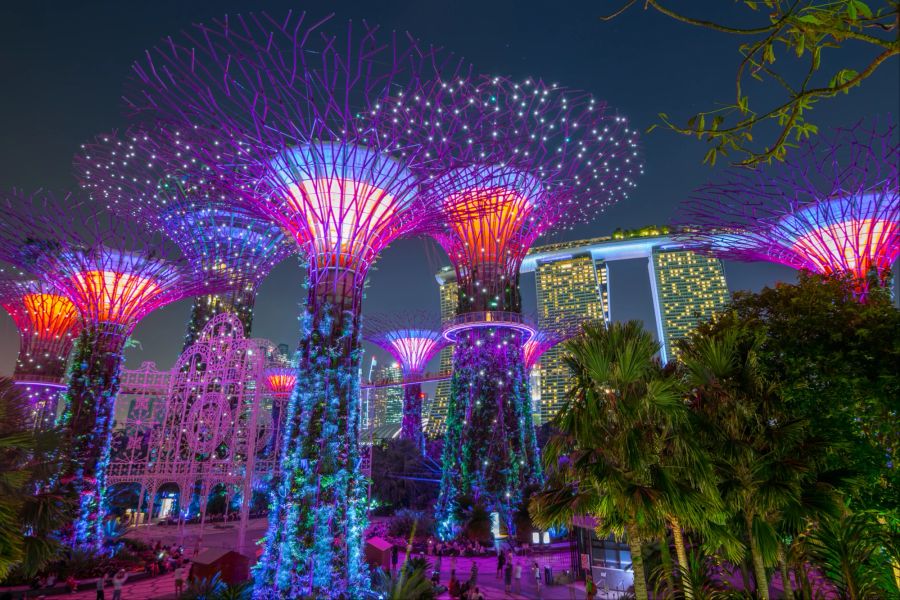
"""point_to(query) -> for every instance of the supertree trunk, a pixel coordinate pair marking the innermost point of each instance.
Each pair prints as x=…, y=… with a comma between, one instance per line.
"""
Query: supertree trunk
x=88, y=421
x=489, y=453
x=411, y=425
x=41, y=385
x=239, y=302
x=318, y=510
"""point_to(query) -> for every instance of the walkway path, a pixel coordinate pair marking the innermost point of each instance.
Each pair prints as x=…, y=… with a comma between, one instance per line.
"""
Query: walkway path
x=155, y=588
x=493, y=587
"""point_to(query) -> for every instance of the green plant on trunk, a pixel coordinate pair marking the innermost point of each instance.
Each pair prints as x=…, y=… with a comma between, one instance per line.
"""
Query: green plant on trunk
x=616, y=455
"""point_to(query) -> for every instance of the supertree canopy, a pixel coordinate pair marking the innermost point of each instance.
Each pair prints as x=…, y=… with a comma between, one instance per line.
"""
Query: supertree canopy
x=518, y=159
x=281, y=380
x=832, y=206
x=285, y=103
x=146, y=177
x=48, y=325
x=412, y=338
x=114, y=274
x=540, y=342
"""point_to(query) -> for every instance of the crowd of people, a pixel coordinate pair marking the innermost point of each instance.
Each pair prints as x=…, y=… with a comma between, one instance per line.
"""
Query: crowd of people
x=511, y=567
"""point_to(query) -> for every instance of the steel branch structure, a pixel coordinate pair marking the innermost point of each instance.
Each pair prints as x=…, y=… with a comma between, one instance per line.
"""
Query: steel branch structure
x=292, y=113
x=833, y=206
x=412, y=338
x=518, y=159
x=542, y=341
x=114, y=273
x=147, y=177
x=48, y=325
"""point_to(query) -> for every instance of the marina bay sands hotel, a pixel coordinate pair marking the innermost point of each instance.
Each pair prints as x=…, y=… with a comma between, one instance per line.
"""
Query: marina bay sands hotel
x=573, y=284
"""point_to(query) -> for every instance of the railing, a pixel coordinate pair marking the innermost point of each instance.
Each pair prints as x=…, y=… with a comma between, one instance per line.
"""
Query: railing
x=488, y=318
x=423, y=378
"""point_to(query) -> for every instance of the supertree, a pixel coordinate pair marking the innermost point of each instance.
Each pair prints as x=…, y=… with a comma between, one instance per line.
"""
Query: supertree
x=412, y=338
x=518, y=159
x=832, y=206
x=291, y=108
x=143, y=176
x=48, y=325
x=540, y=342
x=114, y=273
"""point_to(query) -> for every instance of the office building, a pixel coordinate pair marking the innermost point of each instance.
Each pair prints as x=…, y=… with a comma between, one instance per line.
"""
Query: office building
x=435, y=411
x=687, y=288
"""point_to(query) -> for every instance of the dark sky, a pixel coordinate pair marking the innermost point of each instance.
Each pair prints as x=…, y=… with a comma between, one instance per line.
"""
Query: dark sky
x=62, y=66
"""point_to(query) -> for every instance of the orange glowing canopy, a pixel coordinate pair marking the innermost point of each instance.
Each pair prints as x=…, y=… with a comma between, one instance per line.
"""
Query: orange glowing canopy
x=281, y=380
x=491, y=212
x=115, y=297
x=49, y=315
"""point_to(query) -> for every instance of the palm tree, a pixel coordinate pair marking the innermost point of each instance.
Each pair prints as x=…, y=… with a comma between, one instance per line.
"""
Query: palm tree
x=856, y=553
x=616, y=455
x=28, y=515
x=761, y=454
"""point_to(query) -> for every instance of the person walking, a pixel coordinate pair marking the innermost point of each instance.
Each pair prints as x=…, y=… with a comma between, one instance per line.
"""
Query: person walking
x=179, y=581
x=501, y=560
x=590, y=588
x=507, y=577
x=395, y=557
x=118, y=581
x=536, y=573
x=101, y=583
x=517, y=575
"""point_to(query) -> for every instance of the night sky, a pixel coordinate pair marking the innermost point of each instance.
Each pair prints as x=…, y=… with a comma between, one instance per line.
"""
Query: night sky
x=63, y=64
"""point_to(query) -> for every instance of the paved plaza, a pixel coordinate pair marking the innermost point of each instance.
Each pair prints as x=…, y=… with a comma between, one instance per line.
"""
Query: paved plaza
x=224, y=536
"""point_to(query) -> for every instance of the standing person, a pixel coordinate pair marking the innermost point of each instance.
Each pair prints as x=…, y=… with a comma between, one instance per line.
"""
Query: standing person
x=101, y=583
x=118, y=581
x=452, y=566
x=517, y=575
x=179, y=581
x=395, y=557
x=536, y=573
x=473, y=574
x=590, y=588
x=507, y=577
x=501, y=560
x=437, y=569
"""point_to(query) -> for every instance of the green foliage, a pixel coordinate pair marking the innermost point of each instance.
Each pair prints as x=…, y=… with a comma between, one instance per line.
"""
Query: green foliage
x=701, y=574
x=206, y=588
x=240, y=591
x=407, y=584
x=783, y=51
x=27, y=519
x=617, y=455
x=856, y=552
x=835, y=361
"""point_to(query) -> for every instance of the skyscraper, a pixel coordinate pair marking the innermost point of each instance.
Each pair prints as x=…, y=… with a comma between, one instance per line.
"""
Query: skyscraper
x=388, y=401
x=687, y=288
x=569, y=291
x=573, y=285
x=436, y=407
